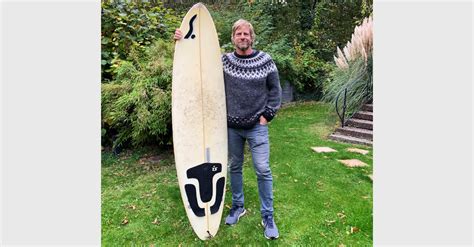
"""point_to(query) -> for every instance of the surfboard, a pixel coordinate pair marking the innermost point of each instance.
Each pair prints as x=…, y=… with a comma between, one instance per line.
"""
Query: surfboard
x=199, y=122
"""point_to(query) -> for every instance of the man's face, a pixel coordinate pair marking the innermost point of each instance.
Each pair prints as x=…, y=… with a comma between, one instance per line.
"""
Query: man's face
x=242, y=38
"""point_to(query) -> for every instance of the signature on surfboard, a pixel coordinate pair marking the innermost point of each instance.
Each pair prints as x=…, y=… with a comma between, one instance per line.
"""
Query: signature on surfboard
x=190, y=32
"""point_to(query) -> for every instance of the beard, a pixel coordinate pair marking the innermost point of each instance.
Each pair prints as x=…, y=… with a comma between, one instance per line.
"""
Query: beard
x=243, y=46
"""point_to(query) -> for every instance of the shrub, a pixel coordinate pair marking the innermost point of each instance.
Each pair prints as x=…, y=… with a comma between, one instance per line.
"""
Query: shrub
x=136, y=106
x=311, y=72
x=132, y=25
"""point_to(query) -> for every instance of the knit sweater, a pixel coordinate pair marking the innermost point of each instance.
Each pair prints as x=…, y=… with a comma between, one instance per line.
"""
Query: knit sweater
x=252, y=88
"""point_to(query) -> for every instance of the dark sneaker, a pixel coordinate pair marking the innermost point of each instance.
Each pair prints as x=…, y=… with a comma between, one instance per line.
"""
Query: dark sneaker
x=271, y=230
x=235, y=214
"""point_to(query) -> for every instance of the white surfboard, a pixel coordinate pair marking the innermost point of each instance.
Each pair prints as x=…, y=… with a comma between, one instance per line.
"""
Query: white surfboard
x=199, y=121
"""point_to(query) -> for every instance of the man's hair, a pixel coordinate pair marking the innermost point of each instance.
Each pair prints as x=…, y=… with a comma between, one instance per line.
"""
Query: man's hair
x=242, y=22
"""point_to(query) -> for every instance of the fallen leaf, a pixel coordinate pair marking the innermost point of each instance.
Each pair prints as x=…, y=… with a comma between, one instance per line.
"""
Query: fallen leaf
x=341, y=215
x=156, y=222
x=329, y=222
x=354, y=229
x=125, y=221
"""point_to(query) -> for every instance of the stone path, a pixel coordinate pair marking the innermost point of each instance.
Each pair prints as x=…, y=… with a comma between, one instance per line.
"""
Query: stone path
x=323, y=149
x=347, y=162
x=353, y=163
x=357, y=150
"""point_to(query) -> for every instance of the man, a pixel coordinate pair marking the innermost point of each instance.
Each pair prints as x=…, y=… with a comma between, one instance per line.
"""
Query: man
x=253, y=96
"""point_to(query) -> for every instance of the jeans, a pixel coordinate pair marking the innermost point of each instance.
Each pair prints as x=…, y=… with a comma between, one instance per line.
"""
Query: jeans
x=258, y=141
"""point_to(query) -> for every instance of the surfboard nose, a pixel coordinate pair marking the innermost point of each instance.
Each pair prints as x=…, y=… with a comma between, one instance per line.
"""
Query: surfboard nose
x=199, y=5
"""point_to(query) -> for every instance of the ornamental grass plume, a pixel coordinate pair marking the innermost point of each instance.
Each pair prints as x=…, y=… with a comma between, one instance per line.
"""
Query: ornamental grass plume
x=353, y=75
x=361, y=45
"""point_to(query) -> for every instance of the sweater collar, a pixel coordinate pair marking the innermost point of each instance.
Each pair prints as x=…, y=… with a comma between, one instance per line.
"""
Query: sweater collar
x=254, y=54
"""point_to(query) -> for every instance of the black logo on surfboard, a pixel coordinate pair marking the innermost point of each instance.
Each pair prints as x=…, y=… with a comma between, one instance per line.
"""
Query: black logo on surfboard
x=204, y=174
x=190, y=32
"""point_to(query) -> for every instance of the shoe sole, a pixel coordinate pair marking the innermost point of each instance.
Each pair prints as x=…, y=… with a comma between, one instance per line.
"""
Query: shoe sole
x=240, y=215
x=270, y=238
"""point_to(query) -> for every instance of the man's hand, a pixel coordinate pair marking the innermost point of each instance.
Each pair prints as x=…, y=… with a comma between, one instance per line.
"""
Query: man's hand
x=178, y=35
x=263, y=121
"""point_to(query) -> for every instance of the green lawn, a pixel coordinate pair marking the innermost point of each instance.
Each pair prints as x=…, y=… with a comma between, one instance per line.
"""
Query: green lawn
x=318, y=201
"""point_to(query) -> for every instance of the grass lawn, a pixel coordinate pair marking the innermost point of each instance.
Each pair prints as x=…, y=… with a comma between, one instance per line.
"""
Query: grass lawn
x=318, y=201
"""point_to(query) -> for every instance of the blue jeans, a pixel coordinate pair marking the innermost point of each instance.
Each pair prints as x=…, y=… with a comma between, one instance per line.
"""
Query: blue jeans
x=258, y=141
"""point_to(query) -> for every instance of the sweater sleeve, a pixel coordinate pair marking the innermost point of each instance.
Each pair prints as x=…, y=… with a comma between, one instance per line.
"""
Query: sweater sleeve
x=274, y=94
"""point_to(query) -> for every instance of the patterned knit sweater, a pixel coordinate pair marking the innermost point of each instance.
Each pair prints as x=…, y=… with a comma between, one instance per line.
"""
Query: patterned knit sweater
x=252, y=88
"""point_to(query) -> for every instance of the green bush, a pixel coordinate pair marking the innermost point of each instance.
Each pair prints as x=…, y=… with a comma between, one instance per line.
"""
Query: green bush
x=136, y=107
x=310, y=71
x=132, y=25
x=302, y=68
x=283, y=54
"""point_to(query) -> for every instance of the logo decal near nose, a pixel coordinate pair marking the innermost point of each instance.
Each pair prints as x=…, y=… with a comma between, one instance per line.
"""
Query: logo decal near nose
x=190, y=32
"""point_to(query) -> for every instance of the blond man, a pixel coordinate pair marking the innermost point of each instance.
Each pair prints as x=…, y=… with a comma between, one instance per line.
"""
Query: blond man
x=253, y=96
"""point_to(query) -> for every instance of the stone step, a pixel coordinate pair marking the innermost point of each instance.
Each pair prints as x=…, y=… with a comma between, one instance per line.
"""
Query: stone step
x=350, y=139
x=355, y=132
x=364, y=115
x=368, y=107
x=360, y=123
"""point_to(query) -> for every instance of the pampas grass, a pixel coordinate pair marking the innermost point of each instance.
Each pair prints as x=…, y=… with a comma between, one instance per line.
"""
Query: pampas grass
x=353, y=70
x=356, y=79
x=361, y=45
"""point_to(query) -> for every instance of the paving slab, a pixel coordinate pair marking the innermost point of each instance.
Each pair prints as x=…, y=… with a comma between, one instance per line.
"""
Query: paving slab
x=358, y=150
x=323, y=149
x=353, y=163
